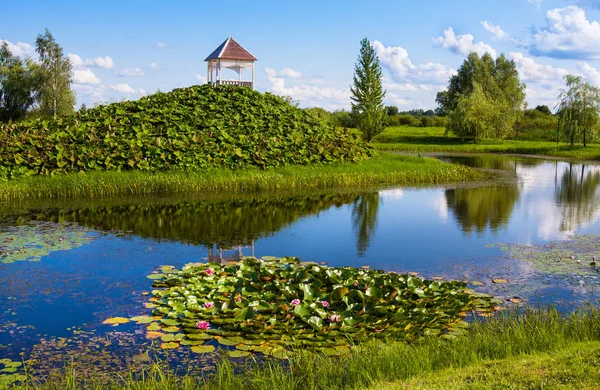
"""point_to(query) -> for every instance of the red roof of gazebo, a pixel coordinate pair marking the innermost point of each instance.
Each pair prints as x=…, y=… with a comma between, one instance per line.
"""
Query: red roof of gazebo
x=230, y=50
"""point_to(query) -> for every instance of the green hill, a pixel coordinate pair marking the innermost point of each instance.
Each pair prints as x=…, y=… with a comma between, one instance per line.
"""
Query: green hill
x=189, y=128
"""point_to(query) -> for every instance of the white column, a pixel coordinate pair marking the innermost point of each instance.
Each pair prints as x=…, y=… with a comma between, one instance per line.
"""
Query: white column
x=240, y=73
x=253, y=75
x=208, y=72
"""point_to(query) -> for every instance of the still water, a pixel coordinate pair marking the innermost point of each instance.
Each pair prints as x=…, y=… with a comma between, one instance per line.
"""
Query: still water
x=83, y=263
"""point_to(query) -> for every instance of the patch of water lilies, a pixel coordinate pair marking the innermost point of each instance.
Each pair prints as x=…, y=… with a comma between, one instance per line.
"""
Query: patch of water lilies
x=9, y=372
x=576, y=256
x=33, y=241
x=272, y=305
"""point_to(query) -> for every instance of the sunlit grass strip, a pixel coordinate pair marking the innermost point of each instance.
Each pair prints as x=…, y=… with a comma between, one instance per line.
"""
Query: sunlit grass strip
x=433, y=139
x=550, y=149
x=511, y=336
x=386, y=169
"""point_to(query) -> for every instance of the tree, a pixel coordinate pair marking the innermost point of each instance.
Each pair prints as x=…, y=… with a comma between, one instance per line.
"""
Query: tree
x=17, y=86
x=499, y=103
x=578, y=109
x=391, y=110
x=367, y=93
x=56, y=71
x=544, y=109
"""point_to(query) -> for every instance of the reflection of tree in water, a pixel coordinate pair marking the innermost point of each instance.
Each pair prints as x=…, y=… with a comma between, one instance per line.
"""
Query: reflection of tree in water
x=475, y=209
x=364, y=218
x=577, y=194
x=225, y=223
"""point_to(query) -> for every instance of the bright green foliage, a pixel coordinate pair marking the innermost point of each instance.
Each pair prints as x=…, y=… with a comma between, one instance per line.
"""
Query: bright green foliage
x=191, y=128
x=56, y=71
x=484, y=99
x=367, y=93
x=273, y=304
x=17, y=86
x=578, y=109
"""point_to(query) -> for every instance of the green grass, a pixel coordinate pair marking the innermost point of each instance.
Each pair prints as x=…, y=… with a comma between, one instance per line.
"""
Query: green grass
x=432, y=139
x=385, y=169
x=575, y=367
x=543, y=337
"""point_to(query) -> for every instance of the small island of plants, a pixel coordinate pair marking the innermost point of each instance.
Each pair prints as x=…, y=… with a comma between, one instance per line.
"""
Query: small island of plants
x=275, y=305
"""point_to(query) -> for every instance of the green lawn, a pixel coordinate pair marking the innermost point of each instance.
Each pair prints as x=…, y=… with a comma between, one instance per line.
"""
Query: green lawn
x=432, y=139
x=385, y=169
x=575, y=367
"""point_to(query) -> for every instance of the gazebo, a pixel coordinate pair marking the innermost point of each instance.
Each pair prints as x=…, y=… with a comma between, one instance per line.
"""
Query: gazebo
x=230, y=55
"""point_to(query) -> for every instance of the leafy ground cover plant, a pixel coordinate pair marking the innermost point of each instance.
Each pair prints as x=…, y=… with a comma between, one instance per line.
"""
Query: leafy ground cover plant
x=274, y=305
x=188, y=128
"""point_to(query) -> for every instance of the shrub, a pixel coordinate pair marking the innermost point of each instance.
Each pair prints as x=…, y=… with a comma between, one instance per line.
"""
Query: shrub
x=189, y=128
x=343, y=119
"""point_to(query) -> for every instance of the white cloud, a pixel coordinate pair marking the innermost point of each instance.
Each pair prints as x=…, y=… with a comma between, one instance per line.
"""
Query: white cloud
x=589, y=72
x=496, y=31
x=142, y=92
x=90, y=94
x=123, y=88
x=98, y=62
x=397, y=100
x=291, y=73
x=20, y=49
x=394, y=58
x=567, y=34
x=397, y=61
x=130, y=72
x=161, y=44
x=85, y=76
x=462, y=44
x=434, y=73
x=537, y=3
x=154, y=66
x=202, y=79
x=309, y=95
x=531, y=71
x=286, y=72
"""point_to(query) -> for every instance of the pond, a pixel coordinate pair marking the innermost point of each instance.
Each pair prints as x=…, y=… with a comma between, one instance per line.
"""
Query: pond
x=66, y=268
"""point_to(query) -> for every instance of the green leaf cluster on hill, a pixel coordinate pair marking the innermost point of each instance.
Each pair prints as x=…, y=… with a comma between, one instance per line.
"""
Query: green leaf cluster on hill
x=190, y=128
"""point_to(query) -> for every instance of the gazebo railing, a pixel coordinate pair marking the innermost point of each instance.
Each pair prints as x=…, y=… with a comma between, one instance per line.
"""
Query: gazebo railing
x=235, y=83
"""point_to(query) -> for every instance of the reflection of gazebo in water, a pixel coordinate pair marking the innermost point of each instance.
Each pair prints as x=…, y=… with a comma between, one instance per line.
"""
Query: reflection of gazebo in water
x=230, y=55
x=223, y=254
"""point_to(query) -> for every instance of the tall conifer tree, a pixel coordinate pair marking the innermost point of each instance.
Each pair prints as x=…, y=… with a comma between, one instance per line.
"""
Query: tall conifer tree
x=367, y=93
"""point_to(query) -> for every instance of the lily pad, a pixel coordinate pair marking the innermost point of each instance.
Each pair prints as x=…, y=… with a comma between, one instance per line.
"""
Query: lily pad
x=115, y=321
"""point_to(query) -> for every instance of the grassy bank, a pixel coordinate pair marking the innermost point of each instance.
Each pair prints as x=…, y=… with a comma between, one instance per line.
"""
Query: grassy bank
x=575, y=367
x=432, y=139
x=385, y=169
x=542, y=337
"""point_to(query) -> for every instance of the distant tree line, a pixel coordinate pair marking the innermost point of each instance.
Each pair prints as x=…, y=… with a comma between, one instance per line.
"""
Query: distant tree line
x=31, y=88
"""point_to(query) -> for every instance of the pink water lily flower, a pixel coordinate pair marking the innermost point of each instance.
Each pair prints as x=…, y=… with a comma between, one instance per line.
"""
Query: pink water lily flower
x=335, y=318
x=209, y=305
x=295, y=301
x=355, y=284
x=325, y=303
x=209, y=271
x=202, y=325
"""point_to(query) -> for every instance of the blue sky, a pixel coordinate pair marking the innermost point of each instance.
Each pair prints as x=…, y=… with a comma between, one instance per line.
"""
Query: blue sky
x=307, y=49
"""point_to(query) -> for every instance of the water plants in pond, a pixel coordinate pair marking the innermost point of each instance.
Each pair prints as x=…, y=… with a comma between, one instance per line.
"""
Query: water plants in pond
x=10, y=372
x=272, y=305
x=33, y=241
x=574, y=257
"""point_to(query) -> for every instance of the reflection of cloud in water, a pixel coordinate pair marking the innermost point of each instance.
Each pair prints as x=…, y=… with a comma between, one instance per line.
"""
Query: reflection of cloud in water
x=573, y=201
x=396, y=193
x=440, y=204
